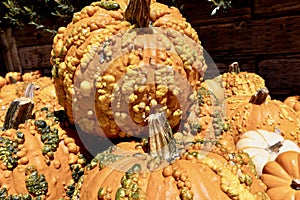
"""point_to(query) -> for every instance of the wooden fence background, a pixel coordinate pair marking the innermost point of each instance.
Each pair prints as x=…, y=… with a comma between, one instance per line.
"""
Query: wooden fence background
x=262, y=35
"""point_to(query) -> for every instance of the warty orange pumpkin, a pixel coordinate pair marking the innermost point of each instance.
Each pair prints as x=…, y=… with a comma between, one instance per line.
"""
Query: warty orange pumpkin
x=114, y=174
x=260, y=112
x=31, y=76
x=206, y=116
x=13, y=77
x=90, y=42
x=44, y=95
x=238, y=83
x=38, y=160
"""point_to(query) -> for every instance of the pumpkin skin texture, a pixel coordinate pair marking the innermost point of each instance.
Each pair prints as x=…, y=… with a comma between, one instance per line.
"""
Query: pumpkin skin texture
x=264, y=146
x=31, y=76
x=278, y=175
x=75, y=56
x=44, y=95
x=206, y=115
x=15, y=77
x=177, y=180
x=260, y=112
x=293, y=102
x=236, y=83
x=32, y=157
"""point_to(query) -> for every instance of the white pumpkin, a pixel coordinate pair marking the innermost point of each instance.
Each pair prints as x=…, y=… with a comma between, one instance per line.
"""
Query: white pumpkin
x=264, y=146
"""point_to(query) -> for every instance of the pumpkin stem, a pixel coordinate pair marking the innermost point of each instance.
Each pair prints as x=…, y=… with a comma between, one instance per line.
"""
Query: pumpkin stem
x=162, y=144
x=20, y=109
x=275, y=147
x=260, y=96
x=234, y=68
x=12, y=80
x=138, y=13
x=295, y=184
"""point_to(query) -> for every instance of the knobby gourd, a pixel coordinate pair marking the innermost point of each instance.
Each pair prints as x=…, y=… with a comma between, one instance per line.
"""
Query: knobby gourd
x=260, y=112
x=158, y=62
x=125, y=171
x=44, y=95
x=239, y=83
x=207, y=114
x=38, y=160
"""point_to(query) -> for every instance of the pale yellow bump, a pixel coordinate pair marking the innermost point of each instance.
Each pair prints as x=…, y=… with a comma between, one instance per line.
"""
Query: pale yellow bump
x=90, y=113
x=147, y=109
x=123, y=116
x=142, y=105
x=85, y=88
x=135, y=108
x=101, y=91
x=177, y=113
x=132, y=98
x=153, y=103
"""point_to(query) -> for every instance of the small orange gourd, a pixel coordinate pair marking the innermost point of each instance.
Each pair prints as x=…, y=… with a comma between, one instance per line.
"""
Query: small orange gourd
x=293, y=102
x=282, y=176
x=260, y=112
x=13, y=77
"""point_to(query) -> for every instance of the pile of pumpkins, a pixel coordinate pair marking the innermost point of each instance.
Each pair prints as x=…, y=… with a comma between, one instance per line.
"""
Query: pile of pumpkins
x=222, y=138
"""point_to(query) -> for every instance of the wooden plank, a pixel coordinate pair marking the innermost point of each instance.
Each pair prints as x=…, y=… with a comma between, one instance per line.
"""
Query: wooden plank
x=35, y=57
x=275, y=7
x=9, y=51
x=199, y=12
x=281, y=75
x=252, y=37
x=30, y=36
x=221, y=65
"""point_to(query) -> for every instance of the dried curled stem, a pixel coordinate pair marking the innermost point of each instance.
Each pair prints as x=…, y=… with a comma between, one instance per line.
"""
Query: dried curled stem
x=295, y=184
x=234, y=68
x=138, y=13
x=260, y=96
x=162, y=144
x=20, y=109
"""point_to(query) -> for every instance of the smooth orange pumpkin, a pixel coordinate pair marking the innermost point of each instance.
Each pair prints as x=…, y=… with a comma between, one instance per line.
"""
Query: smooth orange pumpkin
x=293, y=102
x=282, y=176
